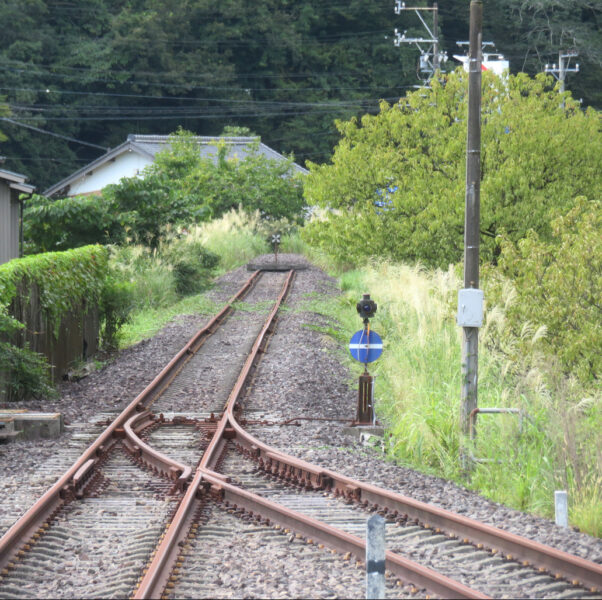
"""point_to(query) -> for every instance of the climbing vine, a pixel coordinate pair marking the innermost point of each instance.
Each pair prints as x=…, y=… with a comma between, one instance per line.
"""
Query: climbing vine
x=63, y=279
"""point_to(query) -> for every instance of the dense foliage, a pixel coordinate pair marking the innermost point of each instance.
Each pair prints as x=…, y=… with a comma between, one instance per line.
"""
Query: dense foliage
x=557, y=283
x=396, y=184
x=553, y=445
x=65, y=282
x=64, y=279
x=100, y=69
x=54, y=225
x=181, y=187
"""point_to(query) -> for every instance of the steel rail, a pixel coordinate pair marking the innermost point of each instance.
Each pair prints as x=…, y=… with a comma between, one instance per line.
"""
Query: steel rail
x=155, y=460
x=316, y=531
x=206, y=479
x=513, y=546
x=71, y=482
x=156, y=577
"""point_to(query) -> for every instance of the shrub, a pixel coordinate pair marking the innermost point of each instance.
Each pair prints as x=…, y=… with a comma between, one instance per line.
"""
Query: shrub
x=146, y=206
x=557, y=284
x=192, y=263
x=151, y=277
x=53, y=225
x=236, y=237
x=116, y=305
x=63, y=282
x=24, y=373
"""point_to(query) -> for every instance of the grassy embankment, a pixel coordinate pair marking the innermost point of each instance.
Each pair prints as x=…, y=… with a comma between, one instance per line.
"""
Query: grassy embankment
x=554, y=445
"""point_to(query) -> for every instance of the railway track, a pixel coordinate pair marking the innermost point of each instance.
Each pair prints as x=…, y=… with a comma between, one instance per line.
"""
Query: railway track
x=183, y=469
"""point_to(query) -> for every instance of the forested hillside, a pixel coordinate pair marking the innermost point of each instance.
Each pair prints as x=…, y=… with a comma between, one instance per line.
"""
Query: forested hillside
x=100, y=69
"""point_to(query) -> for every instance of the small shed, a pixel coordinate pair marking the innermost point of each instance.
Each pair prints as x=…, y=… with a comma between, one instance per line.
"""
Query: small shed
x=12, y=185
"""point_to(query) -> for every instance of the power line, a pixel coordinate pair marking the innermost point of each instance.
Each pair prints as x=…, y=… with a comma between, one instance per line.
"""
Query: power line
x=47, y=159
x=64, y=137
x=188, y=98
x=214, y=115
x=267, y=103
x=225, y=42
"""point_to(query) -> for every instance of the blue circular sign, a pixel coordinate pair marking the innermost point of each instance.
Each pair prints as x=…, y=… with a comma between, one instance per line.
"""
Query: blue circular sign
x=366, y=347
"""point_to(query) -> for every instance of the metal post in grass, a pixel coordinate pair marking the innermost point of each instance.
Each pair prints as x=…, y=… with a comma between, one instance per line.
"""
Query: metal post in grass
x=469, y=296
x=375, y=557
x=561, y=505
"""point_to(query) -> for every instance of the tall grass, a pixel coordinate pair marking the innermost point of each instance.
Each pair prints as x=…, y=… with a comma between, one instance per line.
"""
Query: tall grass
x=552, y=444
x=156, y=280
x=151, y=276
x=234, y=238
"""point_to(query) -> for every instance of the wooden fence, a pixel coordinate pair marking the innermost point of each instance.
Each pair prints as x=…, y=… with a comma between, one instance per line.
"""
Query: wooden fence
x=76, y=336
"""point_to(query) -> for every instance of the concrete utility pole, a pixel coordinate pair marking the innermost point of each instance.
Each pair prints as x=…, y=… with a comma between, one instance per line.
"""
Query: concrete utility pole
x=431, y=57
x=435, y=36
x=470, y=334
x=563, y=68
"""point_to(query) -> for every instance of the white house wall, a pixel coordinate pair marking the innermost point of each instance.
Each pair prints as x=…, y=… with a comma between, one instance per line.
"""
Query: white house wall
x=128, y=164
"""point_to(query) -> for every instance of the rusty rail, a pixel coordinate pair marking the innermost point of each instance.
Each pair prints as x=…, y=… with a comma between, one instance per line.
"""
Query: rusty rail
x=516, y=547
x=154, y=581
x=153, y=459
x=206, y=481
x=71, y=482
x=331, y=536
x=303, y=473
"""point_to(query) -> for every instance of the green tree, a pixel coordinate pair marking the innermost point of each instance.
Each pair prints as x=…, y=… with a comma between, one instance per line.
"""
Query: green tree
x=252, y=181
x=52, y=225
x=180, y=187
x=558, y=284
x=536, y=156
x=284, y=69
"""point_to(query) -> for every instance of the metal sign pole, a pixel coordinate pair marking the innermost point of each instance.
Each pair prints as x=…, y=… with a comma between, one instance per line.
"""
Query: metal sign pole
x=365, y=347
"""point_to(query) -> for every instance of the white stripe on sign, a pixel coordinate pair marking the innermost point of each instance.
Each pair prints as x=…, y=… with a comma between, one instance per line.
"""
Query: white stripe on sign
x=365, y=346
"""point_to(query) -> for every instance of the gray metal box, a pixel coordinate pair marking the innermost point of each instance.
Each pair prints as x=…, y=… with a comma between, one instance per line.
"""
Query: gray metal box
x=470, y=308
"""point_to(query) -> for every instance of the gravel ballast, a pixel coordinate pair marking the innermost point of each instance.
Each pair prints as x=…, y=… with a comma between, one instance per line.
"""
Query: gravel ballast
x=301, y=375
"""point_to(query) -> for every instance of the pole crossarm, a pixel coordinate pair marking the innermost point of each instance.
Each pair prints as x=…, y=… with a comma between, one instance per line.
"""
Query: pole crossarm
x=559, y=71
x=430, y=58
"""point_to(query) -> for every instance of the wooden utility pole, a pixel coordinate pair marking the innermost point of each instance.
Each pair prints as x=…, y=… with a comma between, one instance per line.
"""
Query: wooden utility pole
x=470, y=335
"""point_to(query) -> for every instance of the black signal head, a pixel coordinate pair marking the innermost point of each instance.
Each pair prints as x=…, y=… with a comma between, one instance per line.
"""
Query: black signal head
x=366, y=307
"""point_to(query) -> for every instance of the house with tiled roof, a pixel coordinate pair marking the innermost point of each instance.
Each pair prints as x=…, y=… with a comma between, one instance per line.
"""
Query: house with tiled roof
x=138, y=151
